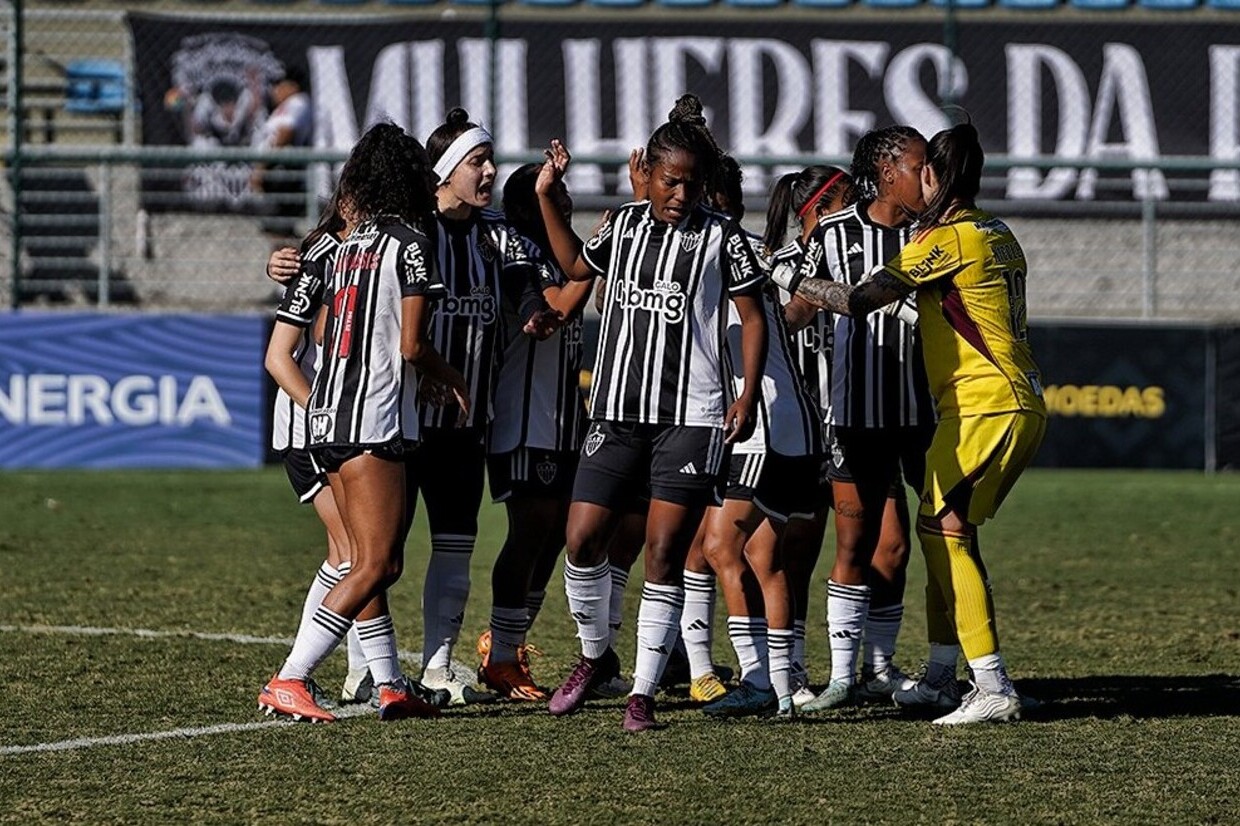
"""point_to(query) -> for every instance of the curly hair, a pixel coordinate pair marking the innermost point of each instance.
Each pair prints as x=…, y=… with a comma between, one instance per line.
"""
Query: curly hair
x=876, y=146
x=686, y=131
x=792, y=193
x=389, y=173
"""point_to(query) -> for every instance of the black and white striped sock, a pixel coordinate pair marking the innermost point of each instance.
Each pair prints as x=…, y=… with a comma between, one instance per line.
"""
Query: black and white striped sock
x=314, y=642
x=377, y=638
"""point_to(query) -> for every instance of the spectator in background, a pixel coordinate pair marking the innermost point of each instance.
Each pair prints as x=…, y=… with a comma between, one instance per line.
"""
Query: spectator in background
x=290, y=123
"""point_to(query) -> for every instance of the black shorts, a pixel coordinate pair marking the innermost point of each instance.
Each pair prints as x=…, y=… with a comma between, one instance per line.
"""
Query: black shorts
x=890, y=457
x=744, y=473
x=620, y=461
x=531, y=473
x=305, y=474
x=332, y=457
x=448, y=470
x=792, y=487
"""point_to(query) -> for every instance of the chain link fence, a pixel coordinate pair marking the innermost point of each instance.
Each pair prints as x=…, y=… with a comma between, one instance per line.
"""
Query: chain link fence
x=138, y=136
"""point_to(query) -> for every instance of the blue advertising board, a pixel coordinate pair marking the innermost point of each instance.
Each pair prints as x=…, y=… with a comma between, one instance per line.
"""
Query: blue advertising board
x=90, y=390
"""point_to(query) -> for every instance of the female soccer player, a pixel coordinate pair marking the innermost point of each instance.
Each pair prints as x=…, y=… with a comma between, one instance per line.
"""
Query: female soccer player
x=968, y=271
x=660, y=399
x=532, y=446
x=360, y=412
x=486, y=270
x=881, y=415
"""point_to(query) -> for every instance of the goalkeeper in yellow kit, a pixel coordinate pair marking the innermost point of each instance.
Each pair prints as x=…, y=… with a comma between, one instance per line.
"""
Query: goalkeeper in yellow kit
x=968, y=271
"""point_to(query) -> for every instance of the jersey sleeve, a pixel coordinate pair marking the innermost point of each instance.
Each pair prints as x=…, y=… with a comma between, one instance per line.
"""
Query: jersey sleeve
x=304, y=295
x=741, y=272
x=416, y=269
x=784, y=264
x=928, y=258
x=597, y=251
x=549, y=275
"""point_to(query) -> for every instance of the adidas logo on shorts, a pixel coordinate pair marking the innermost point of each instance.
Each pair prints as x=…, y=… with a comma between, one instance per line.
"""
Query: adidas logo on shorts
x=689, y=469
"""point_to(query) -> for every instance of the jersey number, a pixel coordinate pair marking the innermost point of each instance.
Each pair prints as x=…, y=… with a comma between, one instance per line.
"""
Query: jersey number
x=1016, y=303
x=344, y=306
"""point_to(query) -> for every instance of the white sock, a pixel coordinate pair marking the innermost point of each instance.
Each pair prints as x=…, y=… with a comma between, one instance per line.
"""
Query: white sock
x=353, y=646
x=882, y=626
x=533, y=605
x=748, y=636
x=942, y=662
x=507, y=632
x=991, y=675
x=798, y=650
x=697, y=622
x=588, y=590
x=615, y=607
x=847, y=606
x=313, y=643
x=378, y=643
x=658, y=625
x=444, y=596
x=325, y=578
x=780, y=642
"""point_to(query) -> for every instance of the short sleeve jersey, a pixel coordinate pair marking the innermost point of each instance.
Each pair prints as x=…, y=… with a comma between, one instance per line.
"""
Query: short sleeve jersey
x=365, y=393
x=661, y=353
x=483, y=262
x=878, y=378
x=970, y=279
x=303, y=297
x=538, y=400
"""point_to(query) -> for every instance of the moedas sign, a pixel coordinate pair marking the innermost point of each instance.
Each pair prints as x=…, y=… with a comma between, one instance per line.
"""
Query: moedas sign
x=100, y=391
x=1075, y=89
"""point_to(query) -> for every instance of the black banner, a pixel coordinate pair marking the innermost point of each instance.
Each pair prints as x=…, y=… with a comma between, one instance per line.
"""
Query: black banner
x=1124, y=396
x=773, y=87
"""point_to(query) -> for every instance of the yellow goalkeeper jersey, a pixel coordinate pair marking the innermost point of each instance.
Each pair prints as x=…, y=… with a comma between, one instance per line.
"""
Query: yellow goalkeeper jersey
x=970, y=280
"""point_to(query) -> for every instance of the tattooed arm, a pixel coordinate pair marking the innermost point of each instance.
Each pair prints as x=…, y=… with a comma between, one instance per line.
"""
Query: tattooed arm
x=879, y=290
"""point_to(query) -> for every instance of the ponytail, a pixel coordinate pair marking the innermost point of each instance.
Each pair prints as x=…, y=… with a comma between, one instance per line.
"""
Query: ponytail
x=800, y=192
x=957, y=158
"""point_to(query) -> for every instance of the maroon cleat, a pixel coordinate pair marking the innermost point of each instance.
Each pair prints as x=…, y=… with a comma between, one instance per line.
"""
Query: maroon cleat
x=586, y=676
x=639, y=713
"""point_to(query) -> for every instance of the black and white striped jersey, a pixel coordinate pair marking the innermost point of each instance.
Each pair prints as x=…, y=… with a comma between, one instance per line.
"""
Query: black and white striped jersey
x=811, y=345
x=483, y=263
x=365, y=393
x=538, y=401
x=661, y=345
x=878, y=375
x=789, y=422
x=303, y=297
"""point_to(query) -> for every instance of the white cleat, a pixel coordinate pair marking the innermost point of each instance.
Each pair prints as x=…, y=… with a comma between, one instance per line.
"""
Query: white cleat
x=460, y=692
x=358, y=686
x=942, y=693
x=881, y=688
x=617, y=686
x=983, y=707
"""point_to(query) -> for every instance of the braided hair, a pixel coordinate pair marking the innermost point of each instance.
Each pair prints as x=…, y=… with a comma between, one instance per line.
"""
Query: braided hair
x=875, y=147
x=729, y=197
x=686, y=131
x=792, y=195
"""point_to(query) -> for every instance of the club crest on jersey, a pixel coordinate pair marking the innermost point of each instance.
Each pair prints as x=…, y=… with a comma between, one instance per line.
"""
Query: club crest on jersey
x=546, y=472
x=837, y=454
x=320, y=426
x=594, y=441
x=689, y=241
x=487, y=249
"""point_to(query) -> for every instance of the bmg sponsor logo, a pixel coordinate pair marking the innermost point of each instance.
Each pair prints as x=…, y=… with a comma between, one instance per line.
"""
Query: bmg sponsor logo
x=664, y=298
x=478, y=304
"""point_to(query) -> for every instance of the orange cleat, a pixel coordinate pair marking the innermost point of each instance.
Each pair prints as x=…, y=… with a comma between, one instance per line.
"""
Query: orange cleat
x=401, y=700
x=293, y=699
x=511, y=680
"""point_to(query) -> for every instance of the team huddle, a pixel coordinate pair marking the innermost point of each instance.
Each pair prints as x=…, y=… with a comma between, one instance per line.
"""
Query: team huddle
x=744, y=388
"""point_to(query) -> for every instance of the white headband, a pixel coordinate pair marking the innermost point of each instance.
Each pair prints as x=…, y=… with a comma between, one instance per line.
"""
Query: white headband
x=465, y=143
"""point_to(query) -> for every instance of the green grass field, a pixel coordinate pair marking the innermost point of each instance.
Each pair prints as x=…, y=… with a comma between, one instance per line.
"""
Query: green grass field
x=1117, y=605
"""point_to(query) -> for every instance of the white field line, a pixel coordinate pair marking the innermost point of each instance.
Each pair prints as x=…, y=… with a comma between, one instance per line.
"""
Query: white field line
x=179, y=733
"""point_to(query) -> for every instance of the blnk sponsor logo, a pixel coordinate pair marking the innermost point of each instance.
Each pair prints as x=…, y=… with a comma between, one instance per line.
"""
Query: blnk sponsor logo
x=926, y=266
x=664, y=298
x=478, y=304
x=52, y=400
